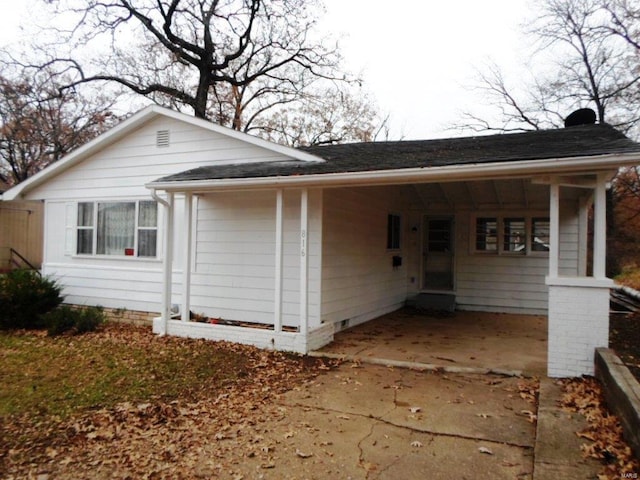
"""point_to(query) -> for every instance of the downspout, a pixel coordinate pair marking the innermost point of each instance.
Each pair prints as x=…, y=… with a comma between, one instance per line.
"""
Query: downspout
x=167, y=260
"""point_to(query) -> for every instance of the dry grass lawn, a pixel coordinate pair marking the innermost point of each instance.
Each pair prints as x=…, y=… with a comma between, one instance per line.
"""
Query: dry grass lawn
x=124, y=403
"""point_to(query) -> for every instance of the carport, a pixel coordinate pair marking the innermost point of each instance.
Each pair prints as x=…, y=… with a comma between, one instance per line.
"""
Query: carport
x=323, y=244
x=453, y=341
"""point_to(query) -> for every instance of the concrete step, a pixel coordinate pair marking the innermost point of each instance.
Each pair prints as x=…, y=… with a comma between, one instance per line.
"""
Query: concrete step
x=443, y=302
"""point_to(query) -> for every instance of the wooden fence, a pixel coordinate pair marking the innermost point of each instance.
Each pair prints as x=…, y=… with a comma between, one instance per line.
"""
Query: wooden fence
x=21, y=228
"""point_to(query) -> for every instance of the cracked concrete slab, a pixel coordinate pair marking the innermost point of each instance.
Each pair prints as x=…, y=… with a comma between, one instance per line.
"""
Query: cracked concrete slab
x=392, y=453
x=474, y=406
x=373, y=422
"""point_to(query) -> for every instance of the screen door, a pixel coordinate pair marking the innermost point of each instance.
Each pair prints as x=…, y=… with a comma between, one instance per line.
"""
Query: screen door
x=437, y=253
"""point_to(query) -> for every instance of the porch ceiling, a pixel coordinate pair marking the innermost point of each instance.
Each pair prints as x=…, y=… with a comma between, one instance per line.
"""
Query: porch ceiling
x=482, y=194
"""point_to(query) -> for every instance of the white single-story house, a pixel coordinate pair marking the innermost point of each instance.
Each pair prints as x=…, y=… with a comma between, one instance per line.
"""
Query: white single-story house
x=281, y=247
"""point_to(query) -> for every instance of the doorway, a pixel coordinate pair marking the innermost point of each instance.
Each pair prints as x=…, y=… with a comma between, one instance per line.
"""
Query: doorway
x=437, y=253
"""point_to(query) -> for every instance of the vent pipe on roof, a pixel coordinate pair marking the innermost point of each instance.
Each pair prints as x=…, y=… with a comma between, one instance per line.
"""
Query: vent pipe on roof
x=583, y=116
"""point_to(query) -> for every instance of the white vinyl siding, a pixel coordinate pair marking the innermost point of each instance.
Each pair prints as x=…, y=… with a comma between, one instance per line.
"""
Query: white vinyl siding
x=133, y=288
x=234, y=275
x=359, y=281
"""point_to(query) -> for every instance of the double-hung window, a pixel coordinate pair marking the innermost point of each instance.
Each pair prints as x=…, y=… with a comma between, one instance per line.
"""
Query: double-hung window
x=117, y=228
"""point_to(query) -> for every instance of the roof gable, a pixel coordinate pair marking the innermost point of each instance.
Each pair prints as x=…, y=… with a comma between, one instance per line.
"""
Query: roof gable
x=129, y=127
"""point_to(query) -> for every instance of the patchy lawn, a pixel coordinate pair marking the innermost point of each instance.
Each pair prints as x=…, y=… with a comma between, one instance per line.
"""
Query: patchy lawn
x=122, y=401
x=59, y=376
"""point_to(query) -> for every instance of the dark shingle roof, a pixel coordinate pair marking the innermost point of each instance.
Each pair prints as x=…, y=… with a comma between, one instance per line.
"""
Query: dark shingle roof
x=581, y=141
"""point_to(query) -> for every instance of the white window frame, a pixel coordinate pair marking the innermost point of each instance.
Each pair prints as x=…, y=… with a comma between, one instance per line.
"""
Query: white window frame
x=137, y=229
x=500, y=227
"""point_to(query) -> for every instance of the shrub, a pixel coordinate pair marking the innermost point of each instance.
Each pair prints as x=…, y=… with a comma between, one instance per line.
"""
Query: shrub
x=81, y=320
x=89, y=319
x=60, y=320
x=25, y=297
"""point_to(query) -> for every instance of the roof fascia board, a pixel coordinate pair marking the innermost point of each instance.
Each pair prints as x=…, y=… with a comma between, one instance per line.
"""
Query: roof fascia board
x=133, y=122
x=474, y=171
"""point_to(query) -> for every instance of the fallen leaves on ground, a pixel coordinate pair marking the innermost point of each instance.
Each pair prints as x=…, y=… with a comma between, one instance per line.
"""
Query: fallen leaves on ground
x=528, y=389
x=584, y=395
x=202, y=434
x=486, y=450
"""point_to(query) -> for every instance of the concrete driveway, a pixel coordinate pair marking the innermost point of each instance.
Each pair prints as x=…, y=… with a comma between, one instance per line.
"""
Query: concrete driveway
x=391, y=423
x=466, y=340
x=363, y=421
x=368, y=421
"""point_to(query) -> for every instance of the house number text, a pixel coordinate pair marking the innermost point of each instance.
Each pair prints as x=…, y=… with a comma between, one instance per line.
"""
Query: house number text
x=303, y=243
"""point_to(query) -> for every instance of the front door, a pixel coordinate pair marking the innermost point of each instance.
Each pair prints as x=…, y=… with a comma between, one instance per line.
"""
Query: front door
x=437, y=253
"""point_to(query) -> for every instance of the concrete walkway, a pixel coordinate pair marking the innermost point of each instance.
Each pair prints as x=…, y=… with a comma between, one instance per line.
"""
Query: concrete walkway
x=557, y=449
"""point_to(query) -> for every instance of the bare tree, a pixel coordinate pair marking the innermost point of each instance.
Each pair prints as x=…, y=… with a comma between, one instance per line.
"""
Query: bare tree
x=625, y=20
x=590, y=65
x=328, y=116
x=518, y=111
x=38, y=125
x=189, y=52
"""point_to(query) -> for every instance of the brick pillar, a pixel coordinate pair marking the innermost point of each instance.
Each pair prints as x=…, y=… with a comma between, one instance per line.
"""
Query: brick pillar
x=578, y=324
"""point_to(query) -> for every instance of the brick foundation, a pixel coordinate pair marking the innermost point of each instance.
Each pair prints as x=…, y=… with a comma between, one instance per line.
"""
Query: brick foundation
x=134, y=317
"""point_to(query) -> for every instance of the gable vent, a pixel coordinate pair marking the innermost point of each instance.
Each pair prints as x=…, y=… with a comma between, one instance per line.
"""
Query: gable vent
x=162, y=138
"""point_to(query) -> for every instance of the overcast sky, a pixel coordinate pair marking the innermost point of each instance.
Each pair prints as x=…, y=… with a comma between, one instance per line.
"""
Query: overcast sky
x=418, y=58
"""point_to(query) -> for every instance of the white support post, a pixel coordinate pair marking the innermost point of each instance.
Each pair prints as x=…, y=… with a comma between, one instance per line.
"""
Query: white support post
x=186, y=258
x=583, y=234
x=600, y=227
x=554, y=229
x=304, y=261
x=167, y=265
x=277, y=309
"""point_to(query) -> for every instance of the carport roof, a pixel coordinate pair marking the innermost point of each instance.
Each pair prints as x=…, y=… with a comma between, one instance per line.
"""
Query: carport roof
x=579, y=141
